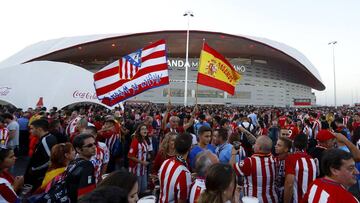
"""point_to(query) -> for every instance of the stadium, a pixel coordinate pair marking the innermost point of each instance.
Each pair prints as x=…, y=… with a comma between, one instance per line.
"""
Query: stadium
x=59, y=72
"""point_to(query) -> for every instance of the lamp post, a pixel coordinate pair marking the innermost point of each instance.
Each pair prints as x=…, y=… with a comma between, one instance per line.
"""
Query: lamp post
x=333, y=51
x=188, y=14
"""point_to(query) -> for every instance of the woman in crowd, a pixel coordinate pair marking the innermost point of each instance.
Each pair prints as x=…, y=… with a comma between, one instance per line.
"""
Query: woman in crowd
x=138, y=155
x=220, y=188
x=61, y=155
x=9, y=185
x=119, y=186
x=167, y=150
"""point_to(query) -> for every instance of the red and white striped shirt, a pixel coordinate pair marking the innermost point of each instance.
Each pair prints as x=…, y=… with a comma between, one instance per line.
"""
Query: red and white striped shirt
x=138, y=150
x=4, y=137
x=70, y=129
x=327, y=191
x=175, y=181
x=196, y=189
x=259, y=173
x=100, y=158
x=304, y=168
x=316, y=128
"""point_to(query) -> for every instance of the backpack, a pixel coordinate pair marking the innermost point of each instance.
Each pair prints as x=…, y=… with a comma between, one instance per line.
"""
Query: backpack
x=59, y=191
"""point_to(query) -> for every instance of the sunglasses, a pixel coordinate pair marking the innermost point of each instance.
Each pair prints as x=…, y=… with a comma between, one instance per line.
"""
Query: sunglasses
x=89, y=145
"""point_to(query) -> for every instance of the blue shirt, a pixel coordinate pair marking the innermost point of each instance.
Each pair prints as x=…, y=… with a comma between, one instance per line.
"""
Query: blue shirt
x=23, y=123
x=196, y=150
x=253, y=117
x=224, y=153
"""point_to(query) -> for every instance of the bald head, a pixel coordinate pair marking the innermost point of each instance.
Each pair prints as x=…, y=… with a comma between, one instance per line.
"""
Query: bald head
x=263, y=144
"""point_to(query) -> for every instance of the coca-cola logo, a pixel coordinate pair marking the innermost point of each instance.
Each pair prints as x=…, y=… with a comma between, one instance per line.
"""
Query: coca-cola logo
x=84, y=95
x=4, y=91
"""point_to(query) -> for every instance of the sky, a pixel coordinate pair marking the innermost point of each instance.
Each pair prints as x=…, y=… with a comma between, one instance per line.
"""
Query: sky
x=305, y=25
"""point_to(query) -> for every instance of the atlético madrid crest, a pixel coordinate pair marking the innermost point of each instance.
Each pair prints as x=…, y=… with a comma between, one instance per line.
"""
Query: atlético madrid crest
x=211, y=67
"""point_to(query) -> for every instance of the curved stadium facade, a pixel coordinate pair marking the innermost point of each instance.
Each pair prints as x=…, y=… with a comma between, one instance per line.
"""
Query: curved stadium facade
x=273, y=74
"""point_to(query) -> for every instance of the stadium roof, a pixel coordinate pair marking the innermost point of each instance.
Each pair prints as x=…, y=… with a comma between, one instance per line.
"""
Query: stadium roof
x=95, y=49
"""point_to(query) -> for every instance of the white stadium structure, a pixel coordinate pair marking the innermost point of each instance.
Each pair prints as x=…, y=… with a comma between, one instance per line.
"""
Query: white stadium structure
x=60, y=71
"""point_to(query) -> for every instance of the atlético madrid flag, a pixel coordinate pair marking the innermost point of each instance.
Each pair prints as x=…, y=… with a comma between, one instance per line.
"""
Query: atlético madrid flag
x=215, y=71
x=134, y=73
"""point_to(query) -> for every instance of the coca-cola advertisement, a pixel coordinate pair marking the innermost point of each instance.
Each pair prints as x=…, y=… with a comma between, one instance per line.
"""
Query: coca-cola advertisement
x=4, y=90
x=84, y=95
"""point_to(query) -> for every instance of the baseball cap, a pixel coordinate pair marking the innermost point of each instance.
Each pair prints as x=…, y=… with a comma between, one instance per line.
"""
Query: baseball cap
x=324, y=135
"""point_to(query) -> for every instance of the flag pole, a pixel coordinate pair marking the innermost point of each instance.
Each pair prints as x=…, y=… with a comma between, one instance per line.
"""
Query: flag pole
x=197, y=84
x=188, y=14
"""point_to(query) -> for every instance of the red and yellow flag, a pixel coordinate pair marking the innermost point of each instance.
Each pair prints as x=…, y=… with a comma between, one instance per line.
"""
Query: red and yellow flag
x=215, y=71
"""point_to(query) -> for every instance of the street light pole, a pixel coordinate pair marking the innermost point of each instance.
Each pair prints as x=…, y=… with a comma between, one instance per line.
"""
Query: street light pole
x=333, y=50
x=188, y=14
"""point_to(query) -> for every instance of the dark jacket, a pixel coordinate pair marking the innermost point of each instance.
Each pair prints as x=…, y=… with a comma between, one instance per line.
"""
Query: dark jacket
x=40, y=161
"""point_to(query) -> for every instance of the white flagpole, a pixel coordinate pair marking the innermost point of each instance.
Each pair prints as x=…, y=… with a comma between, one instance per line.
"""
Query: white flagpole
x=188, y=14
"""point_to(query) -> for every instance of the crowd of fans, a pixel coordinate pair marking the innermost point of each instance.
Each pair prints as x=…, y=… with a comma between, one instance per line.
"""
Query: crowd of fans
x=165, y=153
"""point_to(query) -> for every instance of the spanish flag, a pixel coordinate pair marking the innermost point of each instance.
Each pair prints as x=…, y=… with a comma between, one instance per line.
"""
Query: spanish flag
x=215, y=71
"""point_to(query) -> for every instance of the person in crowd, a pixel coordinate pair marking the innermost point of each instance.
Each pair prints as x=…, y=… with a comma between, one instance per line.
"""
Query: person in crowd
x=167, y=151
x=223, y=149
x=300, y=171
x=220, y=188
x=81, y=124
x=56, y=129
x=259, y=178
x=174, y=121
x=356, y=138
x=225, y=123
x=204, y=160
x=9, y=185
x=204, y=143
x=262, y=129
x=274, y=132
x=326, y=140
x=61, y=155
x=4, y=134
x=201, y=122
x=173, y=125
x=138, y=156
x=282, y=149
x=307, y=130
x=39, y=162
x=341, y=127
x=175, y=186
x=71, y=123
x=340, y=173
x=23, y=134
x=356, y=121
x=292, y=128
x=123, y=180
x=148, y=121
x=80, y=172
x=14, y=131
x=246, y=138
x=101, y=158
x=109, y=134
x=315, y=124
x=215, y=135
x=253, y=117
x=247, y=124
